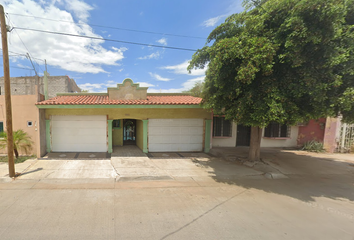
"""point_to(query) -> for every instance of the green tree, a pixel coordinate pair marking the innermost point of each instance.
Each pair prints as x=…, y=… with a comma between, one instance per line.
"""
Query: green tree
x=281, y=61
x=22, y=141
x=197, y=90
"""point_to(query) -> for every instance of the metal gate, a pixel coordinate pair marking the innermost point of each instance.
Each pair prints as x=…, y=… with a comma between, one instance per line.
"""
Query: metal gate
x=346, y=138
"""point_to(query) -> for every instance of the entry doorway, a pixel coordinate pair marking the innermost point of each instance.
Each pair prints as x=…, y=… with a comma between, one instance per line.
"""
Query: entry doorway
x=129, y=132
x=243, y=137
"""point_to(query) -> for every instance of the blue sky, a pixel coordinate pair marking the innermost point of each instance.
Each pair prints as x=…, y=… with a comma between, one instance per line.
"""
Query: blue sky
x=98, y=64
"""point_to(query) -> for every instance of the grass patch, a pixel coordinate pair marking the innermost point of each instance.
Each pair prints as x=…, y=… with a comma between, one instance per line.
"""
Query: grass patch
x=18, y=160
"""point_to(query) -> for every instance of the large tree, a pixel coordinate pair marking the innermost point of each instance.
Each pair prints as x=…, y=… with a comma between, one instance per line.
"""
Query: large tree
x=283, y=61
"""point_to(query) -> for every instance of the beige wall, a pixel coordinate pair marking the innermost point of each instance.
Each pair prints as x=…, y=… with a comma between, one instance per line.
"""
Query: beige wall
x=118, y=135
x=139, y=134
x=23, y=110
x=225, y=142
x=134, y=113
x=288, y=142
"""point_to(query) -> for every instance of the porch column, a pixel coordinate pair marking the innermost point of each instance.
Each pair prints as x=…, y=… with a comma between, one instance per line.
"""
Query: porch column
x=110, y=149
x=47, y=135
x=207, y=135
x=145, y=135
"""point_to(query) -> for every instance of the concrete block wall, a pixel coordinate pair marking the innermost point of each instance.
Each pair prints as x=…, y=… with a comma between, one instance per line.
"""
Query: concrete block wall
x=26, y=85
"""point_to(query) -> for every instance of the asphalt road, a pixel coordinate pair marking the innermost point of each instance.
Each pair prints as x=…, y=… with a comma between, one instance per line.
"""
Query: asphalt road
x=188, y=199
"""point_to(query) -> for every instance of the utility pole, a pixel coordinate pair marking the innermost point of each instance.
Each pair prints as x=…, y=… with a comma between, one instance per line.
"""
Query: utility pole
x=45, y=80
x=5, y=54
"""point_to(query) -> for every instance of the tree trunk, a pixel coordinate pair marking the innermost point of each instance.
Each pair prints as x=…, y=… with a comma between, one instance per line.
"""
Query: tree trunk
x=254, y=153
x=16, y=152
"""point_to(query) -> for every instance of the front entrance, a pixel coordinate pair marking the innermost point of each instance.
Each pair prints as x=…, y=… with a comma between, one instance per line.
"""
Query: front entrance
x=243, y=137
x=129, y=132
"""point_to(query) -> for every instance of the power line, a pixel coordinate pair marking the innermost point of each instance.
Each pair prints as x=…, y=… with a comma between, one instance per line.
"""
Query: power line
x=21, y=68
x=110, y=27
x=105, y=39
x=29, y=53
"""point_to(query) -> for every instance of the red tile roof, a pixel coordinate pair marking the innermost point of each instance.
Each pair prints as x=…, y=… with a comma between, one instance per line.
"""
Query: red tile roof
x=104, y=100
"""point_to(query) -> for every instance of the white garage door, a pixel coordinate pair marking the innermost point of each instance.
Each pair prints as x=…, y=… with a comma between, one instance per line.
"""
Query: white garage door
x=79, y=133
x=174, y=135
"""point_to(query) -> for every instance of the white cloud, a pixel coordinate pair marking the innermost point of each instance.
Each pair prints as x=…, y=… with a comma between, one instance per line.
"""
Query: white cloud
x=182, y=69
x=154, y=55
x=102, y=87
x=69, y=53
x=185, y=86
x=145, y=84
x=159, y=78
x=162, y=41
x=211, y=22
x=79, y=8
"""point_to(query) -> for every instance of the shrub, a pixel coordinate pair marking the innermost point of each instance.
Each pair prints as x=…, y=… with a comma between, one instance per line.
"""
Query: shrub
x=313, y=146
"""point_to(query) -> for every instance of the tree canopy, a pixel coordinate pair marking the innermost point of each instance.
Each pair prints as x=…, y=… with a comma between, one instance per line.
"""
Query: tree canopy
x=197, y=90
x=281, y=60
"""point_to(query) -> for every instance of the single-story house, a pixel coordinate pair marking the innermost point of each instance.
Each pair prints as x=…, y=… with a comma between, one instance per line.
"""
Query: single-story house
x=155, y=122
x=127, y=114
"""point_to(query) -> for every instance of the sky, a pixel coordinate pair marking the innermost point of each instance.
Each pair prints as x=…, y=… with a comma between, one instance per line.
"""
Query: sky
x=96, y=64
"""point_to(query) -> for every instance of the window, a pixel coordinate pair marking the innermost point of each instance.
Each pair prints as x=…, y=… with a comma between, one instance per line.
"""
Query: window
x=221, y=127
x=276, y=130
x=1, y=127
x=116, y=124
x=29, y=124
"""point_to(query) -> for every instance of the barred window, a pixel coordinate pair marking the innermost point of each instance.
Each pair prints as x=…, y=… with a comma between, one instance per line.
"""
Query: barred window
x=275, y=130
x=221, y=127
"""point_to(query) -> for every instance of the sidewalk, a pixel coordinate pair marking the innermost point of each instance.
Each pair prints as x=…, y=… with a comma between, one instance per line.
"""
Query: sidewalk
x=19, y=168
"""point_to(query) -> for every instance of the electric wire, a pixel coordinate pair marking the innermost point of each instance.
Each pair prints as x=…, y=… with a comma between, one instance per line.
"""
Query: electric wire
x=29, y=53
x=110, y=27
x=105, y=39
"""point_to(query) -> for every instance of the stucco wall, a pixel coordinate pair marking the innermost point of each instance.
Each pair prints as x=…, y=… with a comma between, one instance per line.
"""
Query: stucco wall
x=314, y=130
x=26, y=85
x=117, y=136
x=225, y=142
x=331, y=134
x=139, y=134
x=276, y=142
x=134, y=113
x=23, y=110
x=41, y=135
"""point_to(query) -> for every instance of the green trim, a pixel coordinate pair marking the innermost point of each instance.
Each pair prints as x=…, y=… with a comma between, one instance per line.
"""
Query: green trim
x=137, y=85
x=117, y=128
x=207, y=135
x=119, y=106
x=82, y=94
x=145, y=135
x=47, y=134
x=110, y=135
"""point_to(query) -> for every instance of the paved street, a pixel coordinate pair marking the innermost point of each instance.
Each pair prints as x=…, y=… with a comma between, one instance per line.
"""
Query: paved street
x=194, y=197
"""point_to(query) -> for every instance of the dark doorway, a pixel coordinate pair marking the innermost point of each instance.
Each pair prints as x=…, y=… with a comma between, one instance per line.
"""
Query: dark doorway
x=243, y=137
x=129, y=133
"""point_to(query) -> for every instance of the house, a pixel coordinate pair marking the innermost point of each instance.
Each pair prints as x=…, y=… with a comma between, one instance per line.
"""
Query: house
x=26, y=92
x=127, y=114
x=226, y=133
x=154, y=122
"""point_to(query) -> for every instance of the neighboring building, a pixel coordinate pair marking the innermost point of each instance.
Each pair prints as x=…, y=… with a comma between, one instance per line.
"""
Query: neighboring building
x=25, y=94
x=26, y=85
x=226, y=133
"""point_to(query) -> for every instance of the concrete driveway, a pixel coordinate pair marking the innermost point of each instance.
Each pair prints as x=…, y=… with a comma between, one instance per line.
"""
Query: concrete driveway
x=199, y=166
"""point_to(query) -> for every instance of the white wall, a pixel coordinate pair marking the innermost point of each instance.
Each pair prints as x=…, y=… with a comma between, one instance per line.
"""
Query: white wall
x=288, y=142
x=225, y=142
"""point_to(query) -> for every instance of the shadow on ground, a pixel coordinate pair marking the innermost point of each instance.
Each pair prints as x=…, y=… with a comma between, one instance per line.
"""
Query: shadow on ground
x=309, y=177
